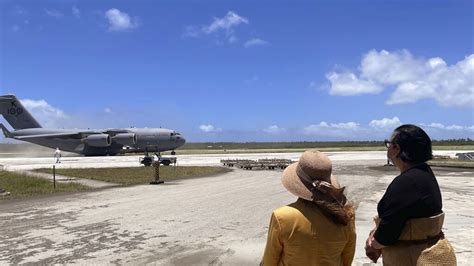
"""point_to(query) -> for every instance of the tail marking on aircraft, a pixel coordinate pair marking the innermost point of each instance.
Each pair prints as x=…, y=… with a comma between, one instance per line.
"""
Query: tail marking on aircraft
x=15, y=114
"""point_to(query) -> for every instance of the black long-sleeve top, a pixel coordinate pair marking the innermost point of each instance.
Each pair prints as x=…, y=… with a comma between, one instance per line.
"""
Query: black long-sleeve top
x=413, y=194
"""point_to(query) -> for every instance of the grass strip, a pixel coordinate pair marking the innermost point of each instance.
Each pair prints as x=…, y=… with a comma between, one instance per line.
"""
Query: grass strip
x=452, y=163
x=213, y=150
x=21, y=186
x=138, y=175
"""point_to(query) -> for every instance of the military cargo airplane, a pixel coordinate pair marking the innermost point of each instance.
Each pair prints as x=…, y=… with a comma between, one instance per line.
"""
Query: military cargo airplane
x=86, y=142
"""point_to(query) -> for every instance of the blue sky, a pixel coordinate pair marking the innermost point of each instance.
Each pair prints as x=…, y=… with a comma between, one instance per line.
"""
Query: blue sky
x=244, y=70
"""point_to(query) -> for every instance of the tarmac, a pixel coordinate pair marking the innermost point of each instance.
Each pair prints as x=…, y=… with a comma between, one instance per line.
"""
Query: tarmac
x=218, y=220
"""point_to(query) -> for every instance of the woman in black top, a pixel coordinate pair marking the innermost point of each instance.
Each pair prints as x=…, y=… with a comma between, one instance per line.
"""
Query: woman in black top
x=413, y=194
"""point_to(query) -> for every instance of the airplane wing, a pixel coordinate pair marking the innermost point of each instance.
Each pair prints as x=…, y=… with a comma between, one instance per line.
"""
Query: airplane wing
x=78, y=135
x=114, y=131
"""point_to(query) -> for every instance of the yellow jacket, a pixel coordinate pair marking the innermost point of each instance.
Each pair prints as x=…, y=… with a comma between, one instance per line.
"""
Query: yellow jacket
x=300, y=234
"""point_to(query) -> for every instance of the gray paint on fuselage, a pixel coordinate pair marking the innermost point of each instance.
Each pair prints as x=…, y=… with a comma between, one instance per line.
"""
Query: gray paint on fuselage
x=148, y=139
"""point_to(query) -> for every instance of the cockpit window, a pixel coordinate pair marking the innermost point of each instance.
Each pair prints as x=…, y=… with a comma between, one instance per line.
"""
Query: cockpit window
x=172, y=134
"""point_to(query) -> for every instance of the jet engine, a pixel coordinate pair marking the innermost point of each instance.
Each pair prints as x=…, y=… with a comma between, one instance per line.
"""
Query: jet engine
x=126, y=139
x=98, y=140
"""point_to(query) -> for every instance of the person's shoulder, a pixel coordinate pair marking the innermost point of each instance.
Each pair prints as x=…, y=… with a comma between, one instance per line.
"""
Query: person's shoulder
x=287, y=211
x=419, y=171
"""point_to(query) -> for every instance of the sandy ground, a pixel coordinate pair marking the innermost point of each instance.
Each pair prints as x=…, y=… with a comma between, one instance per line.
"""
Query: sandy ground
x=220, y=220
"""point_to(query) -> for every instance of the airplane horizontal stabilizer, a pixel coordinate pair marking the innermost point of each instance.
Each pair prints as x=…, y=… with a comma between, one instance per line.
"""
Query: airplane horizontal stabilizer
x=6, y=132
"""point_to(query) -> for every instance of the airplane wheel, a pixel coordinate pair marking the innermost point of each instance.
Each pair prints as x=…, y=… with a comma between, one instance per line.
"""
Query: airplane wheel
x=173, y=153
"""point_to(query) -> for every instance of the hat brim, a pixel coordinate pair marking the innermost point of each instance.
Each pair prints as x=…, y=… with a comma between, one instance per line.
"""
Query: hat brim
x=292, y=182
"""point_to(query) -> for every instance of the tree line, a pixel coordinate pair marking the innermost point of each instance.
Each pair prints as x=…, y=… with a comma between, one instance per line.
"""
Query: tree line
x=307, y=144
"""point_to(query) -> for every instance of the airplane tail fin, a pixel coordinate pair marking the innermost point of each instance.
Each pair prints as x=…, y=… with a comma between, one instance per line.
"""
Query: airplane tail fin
x=6, y=132
x=16, y=115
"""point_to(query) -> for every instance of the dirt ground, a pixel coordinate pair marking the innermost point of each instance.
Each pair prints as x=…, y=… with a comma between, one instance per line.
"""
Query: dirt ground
x=220, y=220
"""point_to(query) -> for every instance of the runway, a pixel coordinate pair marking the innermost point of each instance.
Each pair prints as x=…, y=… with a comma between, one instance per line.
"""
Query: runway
x=23, y=162
x=220, y=220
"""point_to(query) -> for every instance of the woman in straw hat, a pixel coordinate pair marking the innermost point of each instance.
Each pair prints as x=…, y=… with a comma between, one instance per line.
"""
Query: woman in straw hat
x=318, y=229
x=410, y=216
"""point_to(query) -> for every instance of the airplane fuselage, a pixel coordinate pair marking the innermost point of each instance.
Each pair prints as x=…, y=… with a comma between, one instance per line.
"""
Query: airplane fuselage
x=88, y=142
x=145, y=139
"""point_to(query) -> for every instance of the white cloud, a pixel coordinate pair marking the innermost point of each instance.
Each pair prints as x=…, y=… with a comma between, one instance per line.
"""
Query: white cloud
x=379, y=129
x=226, y=24
x=229, y=21
x=440, y=131
x=274, y=129
x=440, y=126
x=391, y=68
x=255, y=42
x=434, y=125
x=53, y=13
x=385, y=123
x=108, y=110
x=347, y=83
x=76, y=12
x=448, y=85
x=412, y=78
x=333, y=130
x=436, y=62
x=47, y=115
x=120, y=21
x=455, y=127
x=209, y=129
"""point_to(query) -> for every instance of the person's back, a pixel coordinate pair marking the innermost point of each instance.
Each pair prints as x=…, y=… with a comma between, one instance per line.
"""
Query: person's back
x=317, y=229
x=309, y=237
x=410, y=218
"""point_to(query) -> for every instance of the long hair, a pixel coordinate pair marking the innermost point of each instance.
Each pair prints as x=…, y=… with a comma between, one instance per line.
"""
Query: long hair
x=337, y=209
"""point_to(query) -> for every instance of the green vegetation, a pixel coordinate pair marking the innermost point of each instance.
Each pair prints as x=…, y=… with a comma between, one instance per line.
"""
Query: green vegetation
x=236, y=151
x=213, y=150
x=278, y=145
x=25, y=186
x=452, y=163
x=459, y=143
x=139, y=175
x=270, y=147
x=328, y=146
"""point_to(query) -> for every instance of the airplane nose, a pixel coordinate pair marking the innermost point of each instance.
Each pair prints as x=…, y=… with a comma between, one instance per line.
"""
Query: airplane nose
x=182, y=141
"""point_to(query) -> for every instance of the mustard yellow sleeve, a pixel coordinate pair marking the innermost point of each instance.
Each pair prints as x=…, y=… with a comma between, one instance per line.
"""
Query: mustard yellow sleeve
x=349, y=250
x=274, y=245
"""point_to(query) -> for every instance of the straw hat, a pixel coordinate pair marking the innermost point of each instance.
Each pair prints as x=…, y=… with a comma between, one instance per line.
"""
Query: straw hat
x=311, y=171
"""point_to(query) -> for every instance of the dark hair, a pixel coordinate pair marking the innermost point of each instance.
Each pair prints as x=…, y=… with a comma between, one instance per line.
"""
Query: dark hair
x=335, y=207
x=337, y=214
x=415, y=144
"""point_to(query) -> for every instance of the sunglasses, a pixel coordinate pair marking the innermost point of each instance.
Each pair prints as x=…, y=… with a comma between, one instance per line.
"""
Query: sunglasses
x=387, y=143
